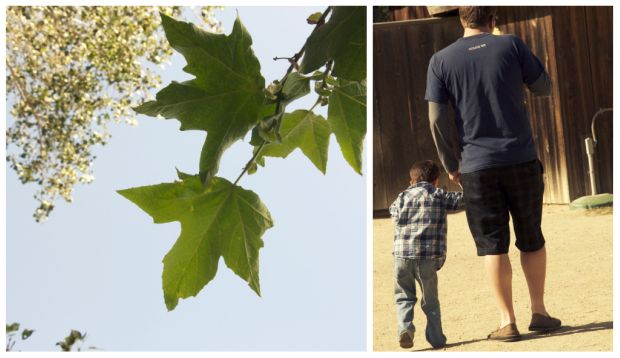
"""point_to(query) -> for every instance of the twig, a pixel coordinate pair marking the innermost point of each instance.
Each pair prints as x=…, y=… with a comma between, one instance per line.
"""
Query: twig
x=328, y=70
x=301, y=51
x=247, y=166
x=260, y=147
x=315, y=104
x=293, y=60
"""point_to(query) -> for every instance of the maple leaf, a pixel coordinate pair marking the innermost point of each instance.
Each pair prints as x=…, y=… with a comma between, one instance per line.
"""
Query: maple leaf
x=346, y=115
x=304, y=130
x=225, y=98
x=222, y=220
x=343, y=39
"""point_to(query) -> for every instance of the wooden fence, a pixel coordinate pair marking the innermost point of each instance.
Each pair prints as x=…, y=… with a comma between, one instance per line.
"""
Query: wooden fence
x=574, y=44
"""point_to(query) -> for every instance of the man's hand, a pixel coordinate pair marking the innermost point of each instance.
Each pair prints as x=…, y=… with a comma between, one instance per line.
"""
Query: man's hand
x=455, y=176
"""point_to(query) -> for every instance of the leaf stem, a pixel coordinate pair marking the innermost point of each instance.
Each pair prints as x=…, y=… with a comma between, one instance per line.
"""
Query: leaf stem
x=293, y=60
x=318, y=100
x=247, y=165
x=260, y=147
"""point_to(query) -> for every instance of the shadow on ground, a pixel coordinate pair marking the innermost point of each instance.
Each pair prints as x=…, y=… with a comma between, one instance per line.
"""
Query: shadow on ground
x=564, y=331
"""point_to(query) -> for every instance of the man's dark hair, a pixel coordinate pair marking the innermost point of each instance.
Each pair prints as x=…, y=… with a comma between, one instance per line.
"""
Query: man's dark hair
x=425, y=170
x=476, y=16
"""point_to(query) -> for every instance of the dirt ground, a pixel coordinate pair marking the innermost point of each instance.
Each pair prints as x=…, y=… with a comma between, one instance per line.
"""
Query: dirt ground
x=579, y=287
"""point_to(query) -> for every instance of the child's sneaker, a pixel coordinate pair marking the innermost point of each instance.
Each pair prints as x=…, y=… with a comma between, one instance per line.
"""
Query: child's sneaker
x=405, y=340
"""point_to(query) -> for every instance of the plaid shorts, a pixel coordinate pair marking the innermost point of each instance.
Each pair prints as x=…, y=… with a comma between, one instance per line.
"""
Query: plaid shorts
x=492, y=194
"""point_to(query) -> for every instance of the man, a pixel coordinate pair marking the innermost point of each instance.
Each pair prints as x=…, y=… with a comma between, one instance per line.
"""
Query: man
x=482, y=76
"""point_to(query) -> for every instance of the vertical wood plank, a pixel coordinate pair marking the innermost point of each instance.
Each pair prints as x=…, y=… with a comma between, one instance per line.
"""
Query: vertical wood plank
x=402, y=54
x=573, y=65
x=379, y=199
x=533, y=26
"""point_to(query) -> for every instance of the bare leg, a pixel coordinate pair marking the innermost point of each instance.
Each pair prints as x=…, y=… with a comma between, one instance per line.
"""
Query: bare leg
x=534, y=266
x=499, y=272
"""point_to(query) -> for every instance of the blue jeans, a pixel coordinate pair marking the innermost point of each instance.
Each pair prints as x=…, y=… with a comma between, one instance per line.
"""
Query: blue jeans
x=406, y=273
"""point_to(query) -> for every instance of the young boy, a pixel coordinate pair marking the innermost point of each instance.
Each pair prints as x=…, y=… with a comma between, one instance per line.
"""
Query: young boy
x=419, y=215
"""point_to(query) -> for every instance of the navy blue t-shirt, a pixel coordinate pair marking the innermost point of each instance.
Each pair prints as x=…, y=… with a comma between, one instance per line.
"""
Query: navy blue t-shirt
x=483, y=76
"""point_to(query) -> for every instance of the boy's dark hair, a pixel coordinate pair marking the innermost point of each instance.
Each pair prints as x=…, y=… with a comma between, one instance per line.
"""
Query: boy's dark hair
x=425, y=170
x=476, y=16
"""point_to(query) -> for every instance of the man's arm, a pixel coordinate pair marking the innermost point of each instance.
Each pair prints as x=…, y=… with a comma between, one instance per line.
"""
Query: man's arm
x=541, y=86
x=440, y=129
x=534, y=75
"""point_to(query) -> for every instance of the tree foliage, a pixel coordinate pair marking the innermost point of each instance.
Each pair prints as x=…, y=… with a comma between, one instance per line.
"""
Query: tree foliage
x=70, y=71
x=228, y=100
x=12, y=330
x=70, y=341
x=66, y=345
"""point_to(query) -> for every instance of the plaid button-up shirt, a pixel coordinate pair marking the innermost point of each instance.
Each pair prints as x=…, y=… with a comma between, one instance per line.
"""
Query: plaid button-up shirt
x=420, y=224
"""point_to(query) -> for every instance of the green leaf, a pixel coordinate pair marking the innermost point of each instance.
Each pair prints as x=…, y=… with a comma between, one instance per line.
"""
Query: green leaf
x=343, y=39
x=314, y=18
x=256, y=139
x=252, y=167
x=274, y=87
x=305, y=130
x=317, y=75
x=65, y=347
x=267, y=135
x=12, y=327
x=258, y=161
x=321, y=89
x=264, y=125
x=26, y=333
x=266, y=130
x=183, y=175
x=347, y=116
x=226, y=97
x=222, y=220
x=331, y=81
x=267, y=110
x=295, y=87
x=75, y=335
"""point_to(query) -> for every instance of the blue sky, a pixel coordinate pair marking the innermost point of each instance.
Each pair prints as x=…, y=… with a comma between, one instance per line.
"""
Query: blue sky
x=95, y=265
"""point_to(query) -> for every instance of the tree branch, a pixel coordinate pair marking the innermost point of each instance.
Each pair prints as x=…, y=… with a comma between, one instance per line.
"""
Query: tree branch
x=301, y=51
x=293, y=60
x=260, y=147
